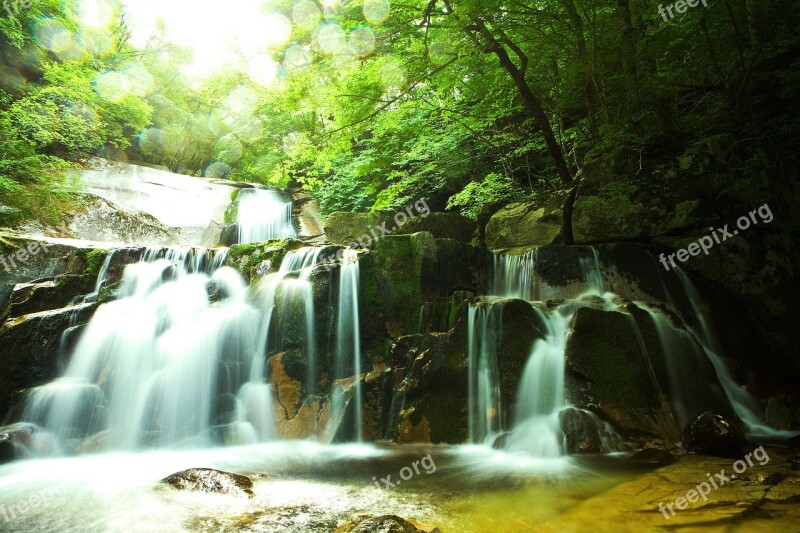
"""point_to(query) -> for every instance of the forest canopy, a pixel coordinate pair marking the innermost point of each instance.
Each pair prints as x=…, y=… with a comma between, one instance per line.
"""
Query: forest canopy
x=372, y=104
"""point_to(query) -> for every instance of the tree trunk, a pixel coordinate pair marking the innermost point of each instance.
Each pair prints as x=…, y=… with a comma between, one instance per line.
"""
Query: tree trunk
x=532, y=103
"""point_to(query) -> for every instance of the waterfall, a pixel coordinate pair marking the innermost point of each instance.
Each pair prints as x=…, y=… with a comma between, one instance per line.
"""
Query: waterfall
x=163, y=365
x=348, y=340
x=536, y=427
x=514, y=275
x=591, y=272
x=744, y=405
x=291, y=286
x=541, y=392
x=263, y=215
x=485, y=406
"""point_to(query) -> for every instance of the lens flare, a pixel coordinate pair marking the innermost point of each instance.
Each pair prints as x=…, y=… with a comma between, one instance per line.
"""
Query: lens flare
x=94, y=13
x=263, y=70
x=217, y=170
x=96, y=42
x=376, y=11
x=85, y=113
x=331, y=38
x=306, y=14
x=151, y=141
x=362, y=41
x=280, y=29
x=242, y=101
x=140, y=82
x=296, y=57
x=111, y=85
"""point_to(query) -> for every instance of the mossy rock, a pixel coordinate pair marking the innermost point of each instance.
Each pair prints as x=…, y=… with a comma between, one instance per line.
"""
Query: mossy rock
x=255, y=260
x=536, y=222
x=603, y=347
x=344, y=228
x=392, y=279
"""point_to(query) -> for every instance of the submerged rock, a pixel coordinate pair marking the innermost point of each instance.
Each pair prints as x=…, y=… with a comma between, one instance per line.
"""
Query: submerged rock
x=651, y=457
x=712, y=434
x=211, y=480
x=368, y=523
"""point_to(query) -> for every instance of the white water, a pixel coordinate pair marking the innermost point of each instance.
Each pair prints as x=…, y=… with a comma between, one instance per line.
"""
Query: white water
x=541, y=397
x=162, y=366
x=485, y=408
x=541, y=393
x=348, y=341
x=744, y=405
x=292, y=284
x=514, y=276
x=263, y=215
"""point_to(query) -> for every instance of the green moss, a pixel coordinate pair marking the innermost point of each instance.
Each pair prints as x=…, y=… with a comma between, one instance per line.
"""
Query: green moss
x=94, y=259
x=247, y=258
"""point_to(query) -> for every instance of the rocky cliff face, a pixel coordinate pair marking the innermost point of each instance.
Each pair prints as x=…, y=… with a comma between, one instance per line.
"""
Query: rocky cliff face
x=416, y=290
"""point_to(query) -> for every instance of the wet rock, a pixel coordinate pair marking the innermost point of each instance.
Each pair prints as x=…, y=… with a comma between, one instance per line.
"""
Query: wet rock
x=581, y=431
x=783, y=412
x=712, y=434
x=500, y=441
x=607, y=373
x=15, y=440
x=104, y=221
x=368, y=523
x=53, y=293
x=211, y=480
x=8, y=451
x=250, y=259
x=31, y=348
x=651, y=457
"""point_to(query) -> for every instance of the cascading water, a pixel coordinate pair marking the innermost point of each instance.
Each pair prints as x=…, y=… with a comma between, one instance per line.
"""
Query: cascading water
x=484, y=382
x=541, y=392
x=163, y=365
x=744, y=405
x=348, y=341
x=536, y=427
x=263, y=215
x=289, y=286
x=513, y=276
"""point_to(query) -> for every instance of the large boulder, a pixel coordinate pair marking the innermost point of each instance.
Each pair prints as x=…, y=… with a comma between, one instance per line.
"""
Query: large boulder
x=535, y=222
x=47, y=294
x=713, y=434
x=344, y=228
x=442, y=226
x=364, y=229
x=607, y=371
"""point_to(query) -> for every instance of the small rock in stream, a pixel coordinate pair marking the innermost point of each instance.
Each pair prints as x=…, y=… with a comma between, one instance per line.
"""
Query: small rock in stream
x=210, y=480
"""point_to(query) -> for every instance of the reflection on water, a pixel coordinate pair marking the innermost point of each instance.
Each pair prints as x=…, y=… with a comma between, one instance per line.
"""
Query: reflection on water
x=299, y=486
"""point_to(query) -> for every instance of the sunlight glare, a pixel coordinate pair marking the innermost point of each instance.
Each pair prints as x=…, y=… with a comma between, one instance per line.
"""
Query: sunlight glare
x=219, y=36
